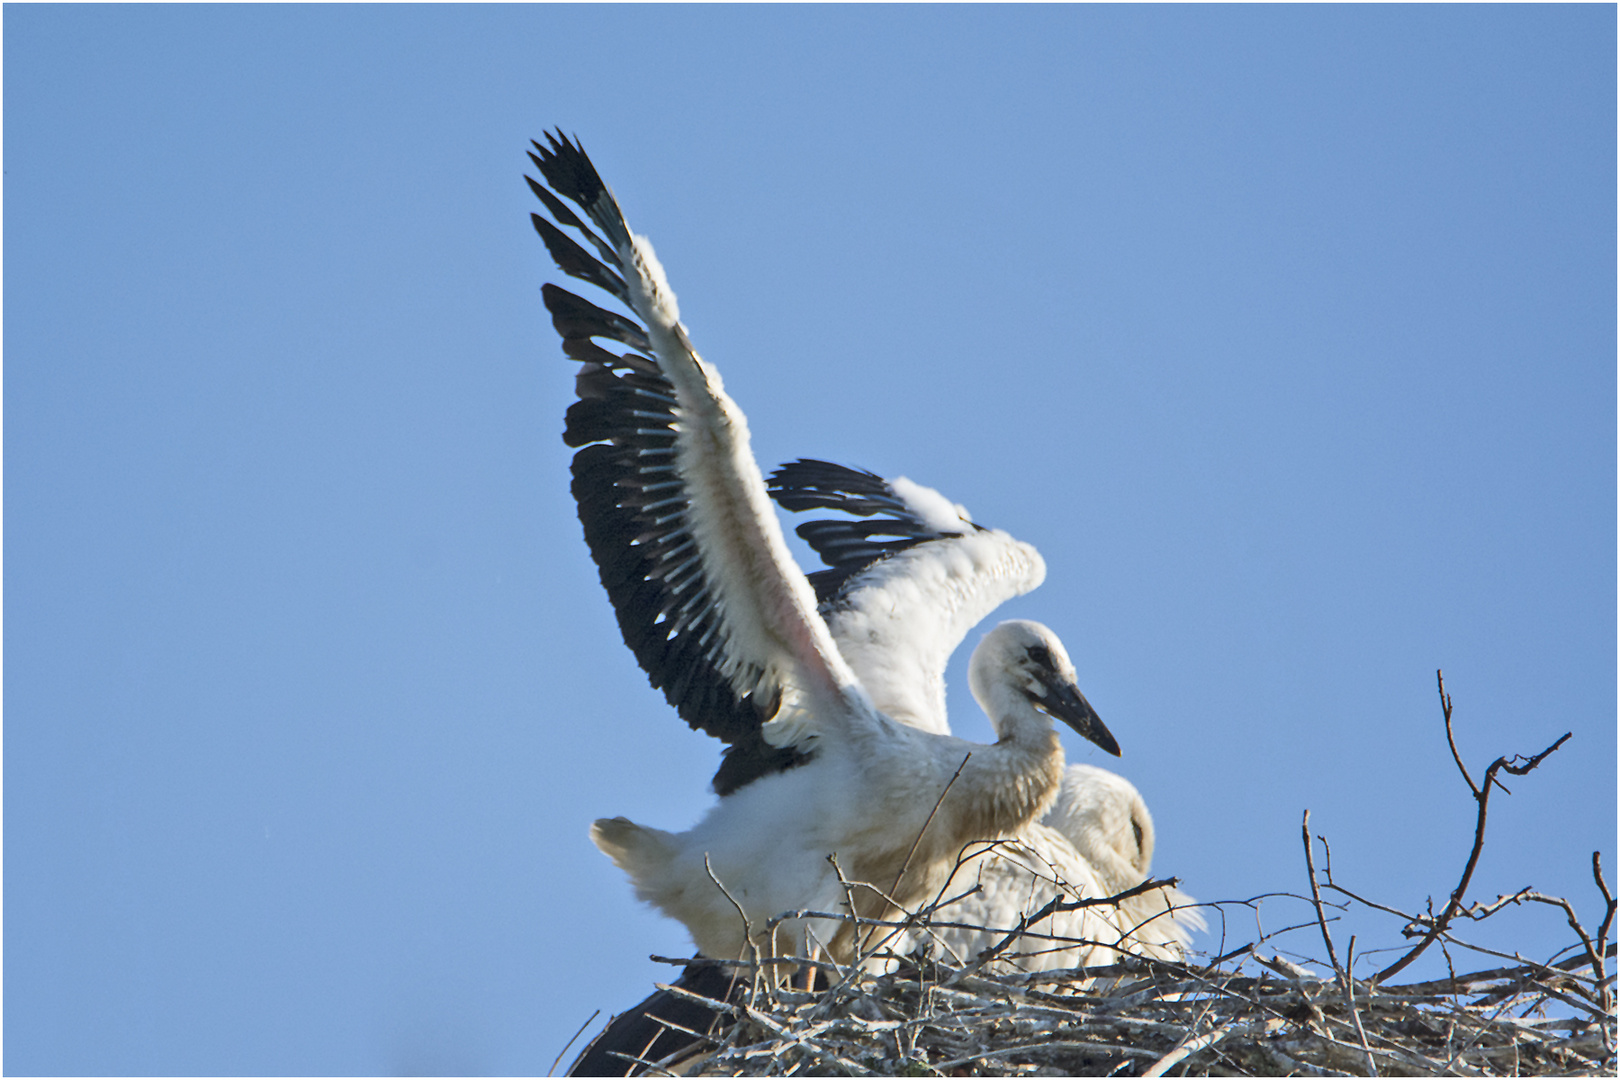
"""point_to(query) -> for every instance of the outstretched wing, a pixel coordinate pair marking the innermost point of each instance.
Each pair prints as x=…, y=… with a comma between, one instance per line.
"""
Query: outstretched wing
x=905, y=583
x=674, y=508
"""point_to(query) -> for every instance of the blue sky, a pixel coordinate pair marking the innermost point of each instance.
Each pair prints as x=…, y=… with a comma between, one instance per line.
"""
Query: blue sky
x=1286, y=334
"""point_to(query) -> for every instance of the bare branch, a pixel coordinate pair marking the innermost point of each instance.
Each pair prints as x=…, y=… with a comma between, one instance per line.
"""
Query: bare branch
x=1451, y=739
x=1608, y=897
x=1518, y=766
x=1316, y=895
x=1603, y=931
x=1477, y=912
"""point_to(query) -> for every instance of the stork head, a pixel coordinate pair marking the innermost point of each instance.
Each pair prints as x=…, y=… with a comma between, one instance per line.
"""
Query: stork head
x=1023, y=659
x=1104, y=816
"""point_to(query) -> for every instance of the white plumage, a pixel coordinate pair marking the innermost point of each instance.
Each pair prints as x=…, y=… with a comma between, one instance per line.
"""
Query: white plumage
x=1095, y=842
x=866, y=795
x=834, y=751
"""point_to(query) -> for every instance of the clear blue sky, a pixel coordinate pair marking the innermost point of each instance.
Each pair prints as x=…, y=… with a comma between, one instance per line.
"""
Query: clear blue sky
x=1286, y=334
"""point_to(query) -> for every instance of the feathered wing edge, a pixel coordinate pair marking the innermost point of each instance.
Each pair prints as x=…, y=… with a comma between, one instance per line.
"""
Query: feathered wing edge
x=905, y=584
x=660, y=507
x=849, y=547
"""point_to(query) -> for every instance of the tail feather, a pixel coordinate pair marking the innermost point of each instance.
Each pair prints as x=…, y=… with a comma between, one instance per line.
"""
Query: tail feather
x=642, y=853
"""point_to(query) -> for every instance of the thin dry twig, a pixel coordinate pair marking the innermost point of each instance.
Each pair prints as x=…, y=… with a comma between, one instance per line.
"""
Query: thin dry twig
x=906, y=865
x=558, y=1059
x=1597, y=953
x=748, y=929
x=1349, y=985
x=1316, y=895
x=1026, y=923
x=1517, y=766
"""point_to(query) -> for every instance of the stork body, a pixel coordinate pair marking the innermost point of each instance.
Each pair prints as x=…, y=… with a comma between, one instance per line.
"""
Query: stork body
x=678, y=519
x=866, y=799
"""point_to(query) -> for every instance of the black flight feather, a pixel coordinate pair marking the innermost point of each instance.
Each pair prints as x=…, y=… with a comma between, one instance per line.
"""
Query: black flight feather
x=847, y=547
x=631, y=500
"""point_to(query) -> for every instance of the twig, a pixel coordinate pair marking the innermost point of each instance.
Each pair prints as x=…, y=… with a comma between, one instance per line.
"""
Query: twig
x=1517, y=766
x=1451, y=739
x=1574, y=924
x=1603, y=933
x=558, y=1059
x=1056, y=904
x=748, y=927
x=849, y=894
x=904, y=866
x=865, y=948
x=1316, y=895
x=1350, y=1003
x=1481, y=911
x=1187, y=1047
x=1608, y=897
x=862, y=946
x=1459, y=984
x=652, y=1068
x=748, y=948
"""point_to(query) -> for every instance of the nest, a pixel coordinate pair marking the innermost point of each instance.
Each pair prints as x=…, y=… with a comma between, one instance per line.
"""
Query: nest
x=1250, y=1012
x=1257, y=1010
x=1146, y=1017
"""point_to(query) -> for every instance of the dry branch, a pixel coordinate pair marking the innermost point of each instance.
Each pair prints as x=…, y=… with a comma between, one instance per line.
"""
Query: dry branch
x=1516, y=765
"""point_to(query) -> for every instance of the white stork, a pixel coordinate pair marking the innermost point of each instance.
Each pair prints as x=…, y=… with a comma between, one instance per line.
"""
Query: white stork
x=819, y=786
x=897, y=577
x=916, y=569
x=1096, y=841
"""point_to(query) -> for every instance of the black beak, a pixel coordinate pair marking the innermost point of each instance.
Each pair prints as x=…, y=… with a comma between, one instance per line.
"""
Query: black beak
x=1064, y=701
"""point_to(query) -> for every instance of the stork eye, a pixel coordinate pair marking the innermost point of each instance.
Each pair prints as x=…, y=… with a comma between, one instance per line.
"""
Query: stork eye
x=1041, y=655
